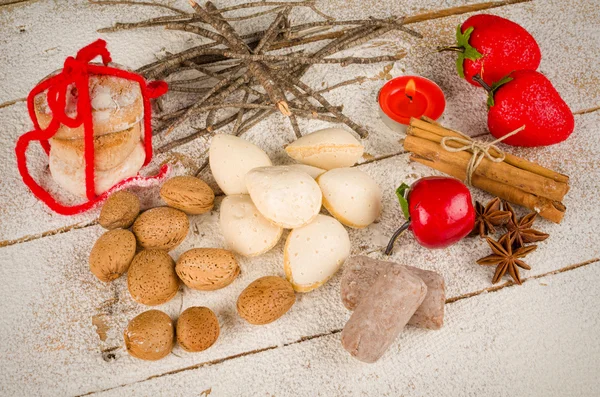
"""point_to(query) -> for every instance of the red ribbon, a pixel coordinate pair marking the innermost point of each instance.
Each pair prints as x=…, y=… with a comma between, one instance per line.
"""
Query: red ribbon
x=76, y=72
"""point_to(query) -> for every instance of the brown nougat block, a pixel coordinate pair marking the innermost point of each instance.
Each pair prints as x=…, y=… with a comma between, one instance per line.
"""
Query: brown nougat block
x=382, y=313
x=360, y=272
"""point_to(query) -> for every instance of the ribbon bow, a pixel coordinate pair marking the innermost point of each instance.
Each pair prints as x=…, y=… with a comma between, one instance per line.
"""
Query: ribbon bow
x=479, y=150
x=75, y=75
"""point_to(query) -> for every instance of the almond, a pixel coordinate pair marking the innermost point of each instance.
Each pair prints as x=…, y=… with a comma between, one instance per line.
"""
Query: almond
x=151, y=278
x=119, y=211
x=112, y=254
x=207, y=269
x=265, y=300
x=161, y=228
x=188, y=194
x=149, y=336
x=197, y=329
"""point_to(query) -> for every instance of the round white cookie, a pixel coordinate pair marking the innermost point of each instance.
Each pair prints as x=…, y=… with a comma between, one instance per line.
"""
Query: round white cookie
x=313, y=253
x=230, y=160
x=246, y=231
x=351, y=196
x=329, y=148
x=286, y=197
x=72, y=178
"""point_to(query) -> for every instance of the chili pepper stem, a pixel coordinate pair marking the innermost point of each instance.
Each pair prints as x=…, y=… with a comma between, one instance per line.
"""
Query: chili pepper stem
x=397, y=233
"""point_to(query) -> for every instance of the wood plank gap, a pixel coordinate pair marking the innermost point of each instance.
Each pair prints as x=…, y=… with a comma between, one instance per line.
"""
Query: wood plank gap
x=13, y=102
x=511, y=283
x=12, y=2
x=48, y=233
x=338, y=330
x=586, y=111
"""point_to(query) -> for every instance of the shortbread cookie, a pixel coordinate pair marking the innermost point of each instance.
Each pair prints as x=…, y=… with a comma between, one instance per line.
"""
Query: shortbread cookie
x=110, y=150
x=117, y=105
x=72, y=179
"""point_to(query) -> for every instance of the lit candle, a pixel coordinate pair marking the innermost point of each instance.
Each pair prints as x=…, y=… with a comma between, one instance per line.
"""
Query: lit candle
x=410, y=96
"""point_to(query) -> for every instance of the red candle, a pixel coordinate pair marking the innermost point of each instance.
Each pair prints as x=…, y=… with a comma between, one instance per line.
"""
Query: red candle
x=411, y=96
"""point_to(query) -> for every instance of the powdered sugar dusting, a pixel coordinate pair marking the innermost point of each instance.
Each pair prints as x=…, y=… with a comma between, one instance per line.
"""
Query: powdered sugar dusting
x=50, y=299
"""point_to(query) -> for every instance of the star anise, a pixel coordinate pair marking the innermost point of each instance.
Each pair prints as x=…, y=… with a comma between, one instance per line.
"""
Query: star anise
x=488, y=217
x=507, y=257
x=522, y=229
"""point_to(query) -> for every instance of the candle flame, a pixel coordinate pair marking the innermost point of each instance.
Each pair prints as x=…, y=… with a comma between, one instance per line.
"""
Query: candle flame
x=410, y=89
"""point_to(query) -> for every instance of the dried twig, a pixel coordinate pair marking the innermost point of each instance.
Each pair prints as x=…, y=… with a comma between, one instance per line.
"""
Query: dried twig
x=197, y=30
x=295, y=126
x=138, y=3
x=270, y=33
x=240, y=116
x=309, y=60
x=361, y=131
x=251, y=16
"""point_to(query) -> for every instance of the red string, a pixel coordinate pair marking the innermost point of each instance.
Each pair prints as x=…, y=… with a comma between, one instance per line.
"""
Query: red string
x=76, y=72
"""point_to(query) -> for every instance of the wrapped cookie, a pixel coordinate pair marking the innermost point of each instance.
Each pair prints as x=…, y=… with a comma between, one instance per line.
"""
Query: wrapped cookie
x=382, y=313
x=360, y=273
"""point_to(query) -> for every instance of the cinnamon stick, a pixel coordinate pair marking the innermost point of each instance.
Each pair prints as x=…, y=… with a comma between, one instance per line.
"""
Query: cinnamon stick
x=427, y=145
x=552, y=210
x=513, y=179
x=435, y=128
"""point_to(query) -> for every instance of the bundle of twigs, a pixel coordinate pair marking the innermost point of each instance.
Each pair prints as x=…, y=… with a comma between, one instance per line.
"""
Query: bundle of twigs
x=242, y=72
x=243, y=64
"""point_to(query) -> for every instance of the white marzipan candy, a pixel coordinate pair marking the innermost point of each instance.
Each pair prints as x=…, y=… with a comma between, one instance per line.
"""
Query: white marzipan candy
x=314, y=172
x=313, y=253
x=329, y=148
x=351, y=196
x=246, y=231
x=230, y=160
x=286, y=197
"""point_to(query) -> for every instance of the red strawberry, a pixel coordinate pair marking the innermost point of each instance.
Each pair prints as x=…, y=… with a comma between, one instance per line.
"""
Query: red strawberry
x=493, y=47
x=527, y=98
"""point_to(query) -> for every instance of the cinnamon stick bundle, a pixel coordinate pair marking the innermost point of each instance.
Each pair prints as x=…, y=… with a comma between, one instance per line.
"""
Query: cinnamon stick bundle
x=516, y=180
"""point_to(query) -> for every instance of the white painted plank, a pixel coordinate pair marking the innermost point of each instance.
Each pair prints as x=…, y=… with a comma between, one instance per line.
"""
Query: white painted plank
x=51, y=298
x=465, y=105
x=539, y=339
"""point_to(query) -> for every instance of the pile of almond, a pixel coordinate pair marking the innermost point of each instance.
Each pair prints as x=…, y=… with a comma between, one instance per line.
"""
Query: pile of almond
x=139, y=243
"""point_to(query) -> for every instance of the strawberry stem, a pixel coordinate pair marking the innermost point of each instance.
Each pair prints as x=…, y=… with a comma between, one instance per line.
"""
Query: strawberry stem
x=397, y=233
x=451, y=48
x=491, y=89
x=477, y=78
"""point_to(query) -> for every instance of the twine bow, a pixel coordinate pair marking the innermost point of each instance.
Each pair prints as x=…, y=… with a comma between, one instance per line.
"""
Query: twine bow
x=479, y=150
x=75, y=75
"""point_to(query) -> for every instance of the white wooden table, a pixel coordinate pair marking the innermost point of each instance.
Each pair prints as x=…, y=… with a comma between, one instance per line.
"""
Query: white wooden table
x=61, y=329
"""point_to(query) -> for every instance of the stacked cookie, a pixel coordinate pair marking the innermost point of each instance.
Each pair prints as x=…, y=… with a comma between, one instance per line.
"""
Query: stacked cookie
x=117, y=114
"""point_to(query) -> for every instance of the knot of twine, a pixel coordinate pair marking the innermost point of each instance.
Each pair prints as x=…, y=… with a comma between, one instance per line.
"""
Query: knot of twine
x=479, y=150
